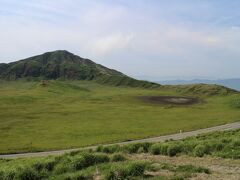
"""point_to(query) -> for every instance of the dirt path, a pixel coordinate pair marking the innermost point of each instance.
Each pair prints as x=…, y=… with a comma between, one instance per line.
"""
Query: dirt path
x=220, y=168
x=230, y=126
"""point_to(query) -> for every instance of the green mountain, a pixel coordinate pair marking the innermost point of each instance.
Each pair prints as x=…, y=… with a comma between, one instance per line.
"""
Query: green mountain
x=62, y=64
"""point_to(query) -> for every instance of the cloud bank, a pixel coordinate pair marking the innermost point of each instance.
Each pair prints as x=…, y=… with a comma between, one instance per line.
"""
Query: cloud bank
x=140, y=38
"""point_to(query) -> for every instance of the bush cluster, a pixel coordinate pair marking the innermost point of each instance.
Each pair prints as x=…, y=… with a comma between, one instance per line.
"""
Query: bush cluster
x=221, y=144
x=81, y=161
x=126, y=171
x=69, y=166
x=118, y=157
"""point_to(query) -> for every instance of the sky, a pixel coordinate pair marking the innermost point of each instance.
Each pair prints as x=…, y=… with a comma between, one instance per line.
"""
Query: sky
x=147, y=39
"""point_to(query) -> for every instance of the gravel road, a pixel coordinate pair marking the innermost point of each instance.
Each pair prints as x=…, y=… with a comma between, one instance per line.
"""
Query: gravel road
x=180, y=135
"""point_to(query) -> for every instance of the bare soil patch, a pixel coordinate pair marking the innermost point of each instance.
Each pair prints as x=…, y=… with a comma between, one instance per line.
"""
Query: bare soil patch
x=170, y=100
x=221, y=169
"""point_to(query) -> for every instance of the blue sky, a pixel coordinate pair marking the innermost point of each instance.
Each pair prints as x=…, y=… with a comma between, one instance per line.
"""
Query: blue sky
x=153, y=39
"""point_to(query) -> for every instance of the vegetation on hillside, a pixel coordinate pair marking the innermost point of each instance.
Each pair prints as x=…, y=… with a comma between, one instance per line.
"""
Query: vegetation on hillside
x=50, y=115
x=201, y=89
x=125, y=81
x=66, y=66
x=54, y=65
x=219, y=144
x=119, y=162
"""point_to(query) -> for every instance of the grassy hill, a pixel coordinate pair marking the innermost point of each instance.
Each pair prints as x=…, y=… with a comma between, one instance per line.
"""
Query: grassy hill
x=54, y=65
x=58, y=100
x=54, y=114
x=64, y=65
x=201, y=89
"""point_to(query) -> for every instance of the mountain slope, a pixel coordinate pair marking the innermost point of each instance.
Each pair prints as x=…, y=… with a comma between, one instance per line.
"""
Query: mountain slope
x=231, y=83
x=201, y=89
x=62, y=64
x=53, y=65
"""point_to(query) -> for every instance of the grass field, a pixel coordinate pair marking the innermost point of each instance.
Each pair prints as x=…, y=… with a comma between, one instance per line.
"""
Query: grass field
x=177, y=160
x=60, y=115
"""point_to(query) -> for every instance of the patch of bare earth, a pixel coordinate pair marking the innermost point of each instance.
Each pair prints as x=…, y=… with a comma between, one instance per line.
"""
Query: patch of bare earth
x=170, y=100
x=224, y=169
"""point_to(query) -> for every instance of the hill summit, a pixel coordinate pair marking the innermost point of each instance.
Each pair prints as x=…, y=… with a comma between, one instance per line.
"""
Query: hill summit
x=62, y=64
x=53, y=65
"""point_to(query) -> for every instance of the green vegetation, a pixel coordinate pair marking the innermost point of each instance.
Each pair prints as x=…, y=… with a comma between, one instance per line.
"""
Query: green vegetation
x=202, y=89
x=85, y=165
x=236, y=103
x=49, y=115
x=53, y=65
x=118, y=157
x=66, y=66
x=119, y=162
x=59, y=100
x=220, y=144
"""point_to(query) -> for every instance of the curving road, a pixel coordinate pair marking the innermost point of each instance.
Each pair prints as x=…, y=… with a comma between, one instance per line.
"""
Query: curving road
x=225, y=127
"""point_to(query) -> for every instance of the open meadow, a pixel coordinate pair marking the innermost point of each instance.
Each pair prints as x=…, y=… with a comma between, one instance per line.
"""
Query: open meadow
x=39, y=116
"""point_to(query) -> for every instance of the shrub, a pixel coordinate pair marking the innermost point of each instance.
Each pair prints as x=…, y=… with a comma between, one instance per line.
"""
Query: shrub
x=133, y=148
x=187, y=147
x=62, y=168
x=117, y=174
x=145, y=146
x=63, y=164
x=73, y=153
x=47, y=164
x=159, y=148
x=230, y=153
x=86, y=159
x=155, y=149
x=216, y=146
x=123, y=172
x=192, y=169
x=79, y=163
x=99, y=149
x=28, y=173
x=118, y=157
x=101, y=158
x=200, y=150
x=9, y=174
x=235, y=143
x=136, y=169
x=164, y=149
x=83, y=160
x=141, y=150
x=173, y=149
x=110, y=149
x=226, y=140
x=2, y=174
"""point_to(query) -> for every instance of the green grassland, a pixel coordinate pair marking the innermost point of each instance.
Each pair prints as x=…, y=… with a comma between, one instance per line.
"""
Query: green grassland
x=67, y=114
x=120, y=162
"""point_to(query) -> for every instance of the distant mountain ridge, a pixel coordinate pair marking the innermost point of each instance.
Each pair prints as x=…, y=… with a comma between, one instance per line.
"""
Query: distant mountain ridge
x=231, y=83
x=62, y=64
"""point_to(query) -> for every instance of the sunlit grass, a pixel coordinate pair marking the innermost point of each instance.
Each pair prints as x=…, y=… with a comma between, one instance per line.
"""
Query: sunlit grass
x=80, y=113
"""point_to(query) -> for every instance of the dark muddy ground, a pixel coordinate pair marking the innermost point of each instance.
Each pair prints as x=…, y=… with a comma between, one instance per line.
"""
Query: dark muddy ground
x=170, y=100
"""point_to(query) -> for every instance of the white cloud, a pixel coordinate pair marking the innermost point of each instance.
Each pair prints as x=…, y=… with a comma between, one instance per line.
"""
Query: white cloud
x=121, y=36
x=111, y=43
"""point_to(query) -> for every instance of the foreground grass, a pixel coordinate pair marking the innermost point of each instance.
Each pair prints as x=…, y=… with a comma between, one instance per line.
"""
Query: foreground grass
x=79, y=113
x=118, y=162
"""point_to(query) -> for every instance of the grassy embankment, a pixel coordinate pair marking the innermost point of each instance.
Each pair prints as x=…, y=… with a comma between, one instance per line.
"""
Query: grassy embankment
x=67, y=114
x=120, y=162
